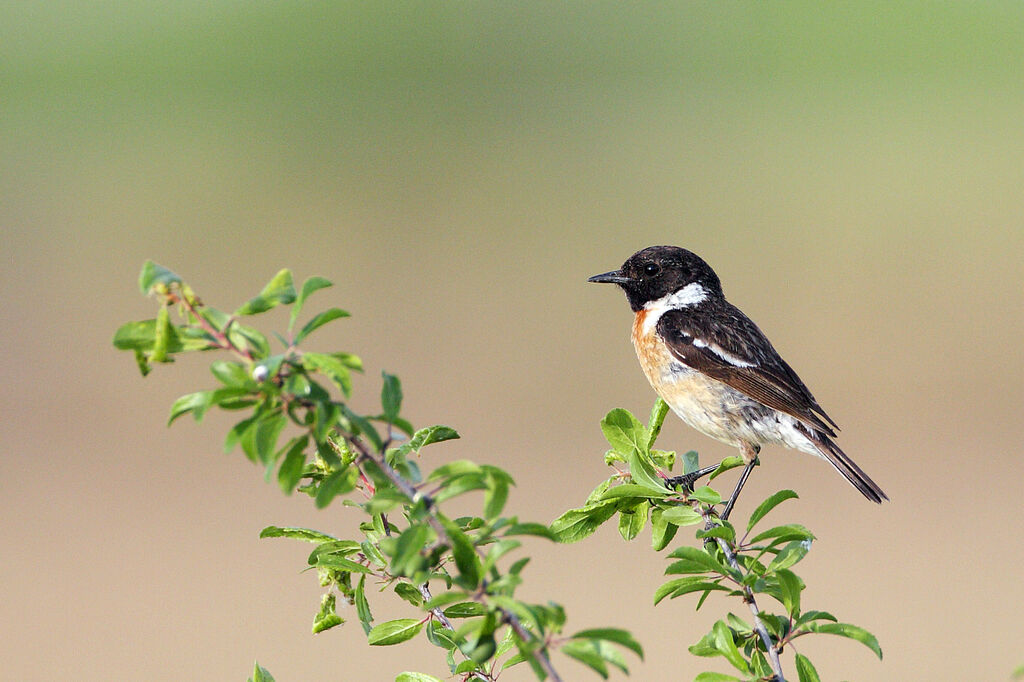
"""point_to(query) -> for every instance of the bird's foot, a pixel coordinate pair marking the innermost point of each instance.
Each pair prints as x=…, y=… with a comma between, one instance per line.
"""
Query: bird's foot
x=687, y=480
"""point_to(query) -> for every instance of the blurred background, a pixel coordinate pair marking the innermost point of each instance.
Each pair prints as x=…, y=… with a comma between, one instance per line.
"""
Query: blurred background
x=853, y=173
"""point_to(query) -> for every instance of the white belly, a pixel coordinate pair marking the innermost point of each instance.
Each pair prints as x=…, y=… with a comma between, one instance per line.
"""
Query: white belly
x=725, y=414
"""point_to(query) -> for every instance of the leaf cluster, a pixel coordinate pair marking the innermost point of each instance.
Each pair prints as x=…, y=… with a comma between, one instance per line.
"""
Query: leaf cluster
x=457, y=576
x=739, y=566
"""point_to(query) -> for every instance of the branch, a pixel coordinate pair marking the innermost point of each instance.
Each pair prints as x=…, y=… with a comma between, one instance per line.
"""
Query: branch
x=443, y=620
x=220, y=336
x=748, y=597
x=540, y=655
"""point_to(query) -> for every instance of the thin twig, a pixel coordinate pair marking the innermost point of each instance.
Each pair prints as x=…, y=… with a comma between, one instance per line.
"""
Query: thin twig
x=220, y=336
x=748, y=597
x=540, y=655
x=443, y=620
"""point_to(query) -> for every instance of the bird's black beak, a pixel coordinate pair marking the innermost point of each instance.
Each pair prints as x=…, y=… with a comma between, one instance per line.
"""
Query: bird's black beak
x=613, y=277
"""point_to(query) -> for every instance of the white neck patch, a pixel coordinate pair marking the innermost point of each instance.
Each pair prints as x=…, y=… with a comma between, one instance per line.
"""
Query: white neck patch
x=690, y=295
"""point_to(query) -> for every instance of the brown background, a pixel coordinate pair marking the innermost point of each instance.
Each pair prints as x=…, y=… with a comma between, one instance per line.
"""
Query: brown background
x=853, y=174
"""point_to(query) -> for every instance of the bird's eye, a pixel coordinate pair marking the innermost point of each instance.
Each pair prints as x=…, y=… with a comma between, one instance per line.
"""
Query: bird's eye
x=652, y=269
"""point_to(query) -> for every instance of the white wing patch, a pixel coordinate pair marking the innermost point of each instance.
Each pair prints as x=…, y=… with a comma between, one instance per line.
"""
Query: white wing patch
x=692, y=294
x=722, y=353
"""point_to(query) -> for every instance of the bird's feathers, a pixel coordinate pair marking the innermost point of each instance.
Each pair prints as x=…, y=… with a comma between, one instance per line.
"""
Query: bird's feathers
x=726, y=345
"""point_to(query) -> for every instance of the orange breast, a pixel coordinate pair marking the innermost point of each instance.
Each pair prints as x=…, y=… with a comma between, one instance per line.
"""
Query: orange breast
x=651, y=351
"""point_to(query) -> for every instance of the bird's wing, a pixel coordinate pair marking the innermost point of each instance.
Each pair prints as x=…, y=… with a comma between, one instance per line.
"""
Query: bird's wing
x=734, y=351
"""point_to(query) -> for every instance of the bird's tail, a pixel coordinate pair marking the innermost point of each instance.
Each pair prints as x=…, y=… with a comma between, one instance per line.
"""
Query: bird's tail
x=849, y=469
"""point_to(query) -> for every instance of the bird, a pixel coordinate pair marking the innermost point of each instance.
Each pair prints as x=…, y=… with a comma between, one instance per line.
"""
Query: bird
x=717, y=370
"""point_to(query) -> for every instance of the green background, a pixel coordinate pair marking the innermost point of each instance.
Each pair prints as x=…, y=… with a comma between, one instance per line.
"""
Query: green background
x=854, y=173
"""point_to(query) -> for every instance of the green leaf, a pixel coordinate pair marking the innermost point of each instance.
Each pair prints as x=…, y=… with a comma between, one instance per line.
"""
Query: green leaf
x=643, y=473
x=263, y=443
x=466, y=609
x=320, y=320
x=792, y=531
x=337, y=483
x=455, y=469
x=141, y=336
x=716, y=677
x=363, y=606
x=538, y=529
x=632, y=490
x=331, y=367
x=586, y=653
x=339, y=547
x=576, y=524
x=409, y=594
x=725, y=644
x=677, y=587
x=290, y=473
x=424, y=437
x=724, y=531
x=164, y=331
x=790, y=554
x=693, y=560
x=438, y=635
x=142, y=362
x=408, y=548
x=459, y=485
x=706, y=495
x=277, y=291
x=663, y=459
x=260, y=674
x=236, y=433
x=385, y=500
x=691, y=462
x=154, y=275
x=363, y=426
x=789, y=588
x=725, y=465
x=812, y=615
x=622, y=637
x=446, y=598
x=394, y=632
x=848, y=630
x=416, y=677
x=632, y=521
x=705, y=647
x=466, y=559
x=297, y=533
x=326, y=618
x=682, y=515
x=805, y=670
x=624, y=432
x=662, y=531
x=495, y=498
x=340, y=563
x=768, y=505
x=248, y=338
x=655, y=421
x=308, y=287
x=232, y=374
x=760, y=665
x=391, y=396
x=196, y=403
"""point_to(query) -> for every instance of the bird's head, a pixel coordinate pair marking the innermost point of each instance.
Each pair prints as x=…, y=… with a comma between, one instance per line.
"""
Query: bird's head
x=678, y=276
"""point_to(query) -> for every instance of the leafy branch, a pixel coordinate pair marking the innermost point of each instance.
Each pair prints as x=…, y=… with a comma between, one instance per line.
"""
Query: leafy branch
x=451, y=570
x=743, y=567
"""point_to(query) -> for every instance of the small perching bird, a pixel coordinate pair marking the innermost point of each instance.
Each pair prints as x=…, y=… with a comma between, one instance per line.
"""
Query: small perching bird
x=717, y=370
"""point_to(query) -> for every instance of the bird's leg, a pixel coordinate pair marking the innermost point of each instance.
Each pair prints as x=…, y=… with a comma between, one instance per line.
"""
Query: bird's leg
x=687, y=480
x=749, y=453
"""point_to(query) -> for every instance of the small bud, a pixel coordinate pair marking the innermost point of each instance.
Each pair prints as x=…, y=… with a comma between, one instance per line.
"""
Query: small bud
x=259, y=373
